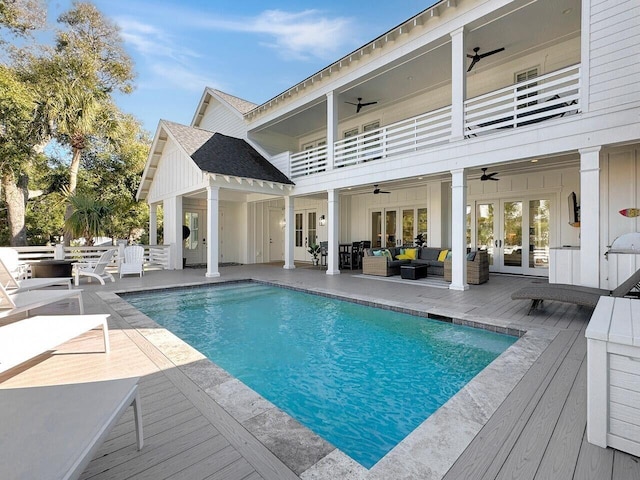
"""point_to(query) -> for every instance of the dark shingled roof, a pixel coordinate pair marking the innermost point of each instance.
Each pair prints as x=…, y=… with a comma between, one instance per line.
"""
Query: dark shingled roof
x=217, y=153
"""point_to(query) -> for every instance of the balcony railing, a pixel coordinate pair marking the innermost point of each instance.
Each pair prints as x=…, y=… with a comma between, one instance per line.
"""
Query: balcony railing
x=398, y=138
x=309, y=161
x=553, y=95
x=536, y=100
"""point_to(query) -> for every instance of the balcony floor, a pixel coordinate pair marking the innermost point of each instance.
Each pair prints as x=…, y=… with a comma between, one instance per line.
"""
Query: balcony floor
x=537, y=431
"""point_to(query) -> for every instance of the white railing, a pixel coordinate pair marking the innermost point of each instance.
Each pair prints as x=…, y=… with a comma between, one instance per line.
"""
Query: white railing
x=553, y=95
x=155, y=256
x=538, y=99
x=309, y=161
x=397, y=138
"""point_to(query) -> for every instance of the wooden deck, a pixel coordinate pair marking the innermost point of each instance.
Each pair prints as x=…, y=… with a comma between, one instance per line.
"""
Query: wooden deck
x=537, y=432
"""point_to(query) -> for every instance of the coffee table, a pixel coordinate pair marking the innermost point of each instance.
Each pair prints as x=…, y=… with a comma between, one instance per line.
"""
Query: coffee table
x=413, y=272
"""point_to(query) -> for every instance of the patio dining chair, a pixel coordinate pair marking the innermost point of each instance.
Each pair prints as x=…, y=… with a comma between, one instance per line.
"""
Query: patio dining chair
x=95, y=270
x=17, y=268
x=133, y=261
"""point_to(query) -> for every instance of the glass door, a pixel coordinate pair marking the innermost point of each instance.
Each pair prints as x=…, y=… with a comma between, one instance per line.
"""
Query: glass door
x=194, y=247
x=515, y=233
x=305, y=234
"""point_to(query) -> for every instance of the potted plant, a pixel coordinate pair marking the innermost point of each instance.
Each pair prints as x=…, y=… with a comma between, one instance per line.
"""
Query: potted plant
x=420, y=239
x=314, y=250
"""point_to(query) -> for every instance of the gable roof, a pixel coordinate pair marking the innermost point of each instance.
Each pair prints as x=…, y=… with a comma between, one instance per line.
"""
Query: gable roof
x=220, y=154
x=243, y=106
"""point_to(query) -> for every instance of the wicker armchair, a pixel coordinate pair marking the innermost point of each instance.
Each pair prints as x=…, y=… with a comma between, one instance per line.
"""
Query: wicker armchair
x=477, y=269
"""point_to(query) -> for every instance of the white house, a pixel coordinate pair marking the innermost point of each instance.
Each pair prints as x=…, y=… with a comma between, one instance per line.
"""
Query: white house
x=553, y=108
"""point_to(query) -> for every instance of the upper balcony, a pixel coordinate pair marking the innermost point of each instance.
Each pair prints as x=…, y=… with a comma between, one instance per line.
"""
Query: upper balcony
x=421, y=90
x=554, y=95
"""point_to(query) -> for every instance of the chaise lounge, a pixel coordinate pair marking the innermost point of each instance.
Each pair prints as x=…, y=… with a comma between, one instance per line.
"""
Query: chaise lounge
x=577, y=295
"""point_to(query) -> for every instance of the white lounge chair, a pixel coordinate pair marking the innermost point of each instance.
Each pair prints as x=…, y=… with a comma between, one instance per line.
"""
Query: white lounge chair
x=133, y=261
x=95, y=269
x=19, y=302
x=13, y=285
x=54, y=431
x=17, y=268
x=25, y=339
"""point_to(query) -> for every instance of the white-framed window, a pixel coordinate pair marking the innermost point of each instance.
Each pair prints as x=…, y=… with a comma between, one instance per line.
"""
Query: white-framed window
x=523, y=76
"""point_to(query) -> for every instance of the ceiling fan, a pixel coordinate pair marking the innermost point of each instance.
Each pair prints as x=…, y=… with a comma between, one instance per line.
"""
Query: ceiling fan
x=359, y=105
x=488, y=176
x=376, y=190
x=476, y=57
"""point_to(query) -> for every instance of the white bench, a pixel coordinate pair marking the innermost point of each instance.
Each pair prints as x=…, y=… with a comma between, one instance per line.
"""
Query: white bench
x=28, y=338
x=54, y=431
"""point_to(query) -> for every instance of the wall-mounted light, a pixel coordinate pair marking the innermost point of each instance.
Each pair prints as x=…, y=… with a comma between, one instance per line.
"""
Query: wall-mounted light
x=323, y=221
x=283, y=223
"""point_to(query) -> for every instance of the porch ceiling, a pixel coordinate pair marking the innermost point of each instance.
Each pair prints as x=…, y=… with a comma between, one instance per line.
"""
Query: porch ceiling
x=520, y=27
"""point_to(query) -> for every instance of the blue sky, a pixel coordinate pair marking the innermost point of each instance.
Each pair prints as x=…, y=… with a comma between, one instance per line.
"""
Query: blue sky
x=248, y=48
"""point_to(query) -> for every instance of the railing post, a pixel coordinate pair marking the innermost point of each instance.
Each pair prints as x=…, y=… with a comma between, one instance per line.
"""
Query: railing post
x=58, y=252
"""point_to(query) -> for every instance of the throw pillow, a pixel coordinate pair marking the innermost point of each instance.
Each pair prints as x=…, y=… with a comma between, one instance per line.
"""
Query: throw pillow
x=412, y=253
x=387, y=253
x=403, y=256
x=443, y=255
x=471, y=256
x=449, y=255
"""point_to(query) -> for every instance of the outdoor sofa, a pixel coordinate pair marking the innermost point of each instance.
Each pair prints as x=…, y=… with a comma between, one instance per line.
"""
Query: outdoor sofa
x=477, y=267
x=387, y=261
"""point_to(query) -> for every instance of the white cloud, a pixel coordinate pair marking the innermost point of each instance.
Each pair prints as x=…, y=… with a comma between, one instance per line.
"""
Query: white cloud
x=150, y=40
x=301, y=35
x=181, y=78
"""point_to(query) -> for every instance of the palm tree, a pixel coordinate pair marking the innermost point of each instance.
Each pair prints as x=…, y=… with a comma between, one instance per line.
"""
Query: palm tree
x=89, y=217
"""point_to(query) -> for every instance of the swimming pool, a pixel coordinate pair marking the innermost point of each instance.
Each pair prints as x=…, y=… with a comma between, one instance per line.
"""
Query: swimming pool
x=360, y=377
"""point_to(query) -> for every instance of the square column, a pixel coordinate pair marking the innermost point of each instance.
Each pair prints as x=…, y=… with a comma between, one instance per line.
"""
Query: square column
x=458, y=84
x=153, y=224
x=289, y=232
x=332, y=127
x=213, y=204
x=173, y=218
x=590, y=217
x=458, y=230
x=333, y=230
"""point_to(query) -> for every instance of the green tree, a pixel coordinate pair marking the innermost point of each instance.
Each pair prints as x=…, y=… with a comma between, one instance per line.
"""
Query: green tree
x=21, y=17
x=89, y=218
x=87, y=65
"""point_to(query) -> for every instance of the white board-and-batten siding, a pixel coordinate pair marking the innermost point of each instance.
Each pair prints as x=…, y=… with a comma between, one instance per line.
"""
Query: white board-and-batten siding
x=176, y=174
x=614, y=54
x=222, y=119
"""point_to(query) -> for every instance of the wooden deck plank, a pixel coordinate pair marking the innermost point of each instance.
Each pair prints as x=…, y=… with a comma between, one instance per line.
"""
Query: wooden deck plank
x=495, y=440
x=625, y=467
x=525, y=456
x=178, y=463
x=561, y=454
x=210, y=464
x=126, y=463
x=238, y=470
x=594, y=463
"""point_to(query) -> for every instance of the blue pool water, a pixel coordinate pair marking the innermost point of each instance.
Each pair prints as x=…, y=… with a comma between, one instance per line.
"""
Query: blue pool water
x=362, y=378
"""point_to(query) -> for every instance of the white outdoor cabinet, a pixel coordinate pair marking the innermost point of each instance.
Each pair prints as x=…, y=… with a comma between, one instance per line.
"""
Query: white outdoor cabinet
x=613, y=375
x=564, y=265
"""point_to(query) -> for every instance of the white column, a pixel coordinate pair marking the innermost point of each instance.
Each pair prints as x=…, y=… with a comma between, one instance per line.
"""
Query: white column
x=332, y=127
x=289, y=232
x=458, y=230
x=153, y=224
x=333, y=230
x=213, y=243
x=173, y=218
x=590, y=216
x=458, y=84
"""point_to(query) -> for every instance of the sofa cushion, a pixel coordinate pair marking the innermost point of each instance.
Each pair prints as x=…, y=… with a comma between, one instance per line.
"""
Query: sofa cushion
x=471, y=256
x=428, y=253
x=377, y=253
x=442, y=256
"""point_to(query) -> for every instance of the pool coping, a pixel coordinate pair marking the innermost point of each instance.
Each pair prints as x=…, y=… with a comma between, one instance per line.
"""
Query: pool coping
x=428, y=452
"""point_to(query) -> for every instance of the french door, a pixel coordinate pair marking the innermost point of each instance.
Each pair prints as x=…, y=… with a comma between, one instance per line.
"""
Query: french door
x=194, y=248
x=397, y=226
x=306, y=234
x=516, y=233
